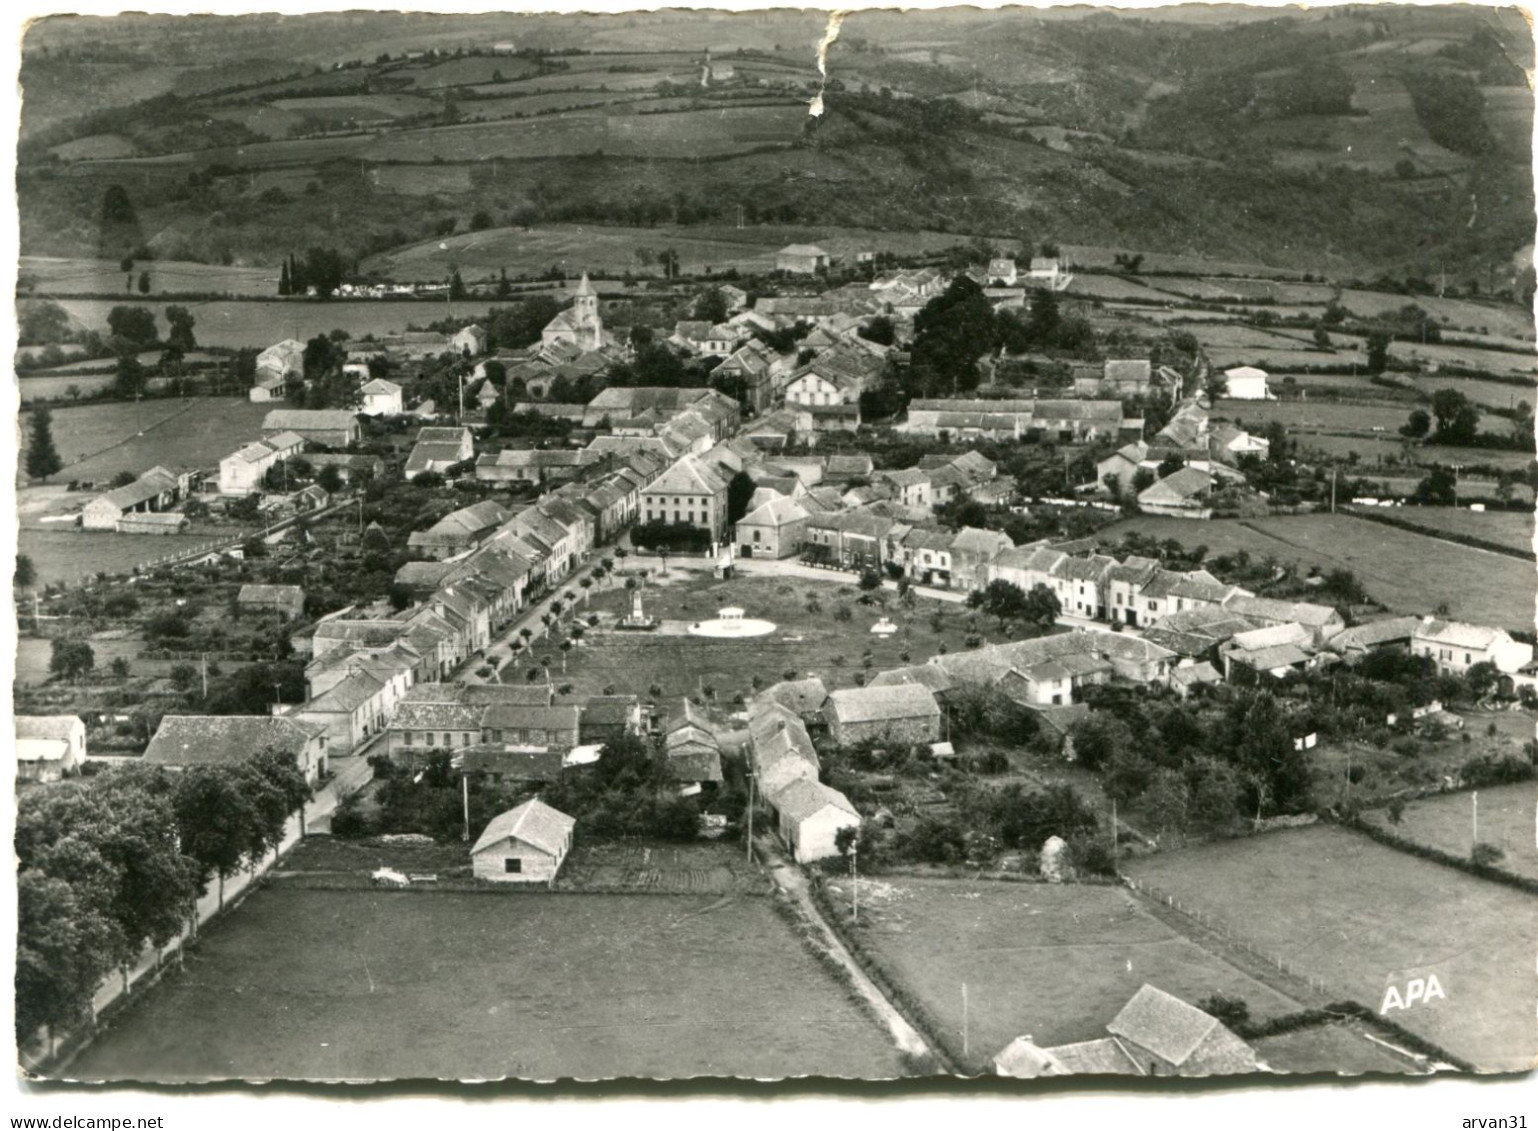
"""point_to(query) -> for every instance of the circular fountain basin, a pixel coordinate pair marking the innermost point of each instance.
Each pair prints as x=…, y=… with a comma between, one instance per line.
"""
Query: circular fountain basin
x=732, y=628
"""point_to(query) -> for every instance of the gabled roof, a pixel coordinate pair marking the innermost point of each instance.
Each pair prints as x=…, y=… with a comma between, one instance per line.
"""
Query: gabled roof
x=1303, y=612
x=803, y=798
x=47, y=726
x=1180, y=1034
x=1456, y=634
x=308, y=420
x=274, y=593
x=534, y=823
x=803, y=696
x=203, y=740
x=878, y=704
x=687, y=476
x=777, y=512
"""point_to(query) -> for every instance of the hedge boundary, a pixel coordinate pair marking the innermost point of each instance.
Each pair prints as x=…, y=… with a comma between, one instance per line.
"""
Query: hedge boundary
x=1469, y=540
x=1339, y=1011
x=1437, y=856
x=915, y=1012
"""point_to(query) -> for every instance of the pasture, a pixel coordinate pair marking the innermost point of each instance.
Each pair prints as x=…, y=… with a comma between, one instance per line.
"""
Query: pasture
x=1338, y=1049
x=258, y=324
x=365, y=985
x=1055, y=961
x=1486, y=394
x=53, y=276
x=72, y=555
x=1507, y=818
x=806, y=641
x=97, y=441
x=614, y=249
x=1404, y=571
x=1364, y=918
x=1508, y=528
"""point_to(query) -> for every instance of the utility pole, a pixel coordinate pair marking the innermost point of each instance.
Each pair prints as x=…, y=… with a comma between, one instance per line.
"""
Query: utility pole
x=966, y=1023
x=854, y=872
x=1333, y=473
x=750, y=818
x=1475, y=843
x=465, y=782
x=204, y=658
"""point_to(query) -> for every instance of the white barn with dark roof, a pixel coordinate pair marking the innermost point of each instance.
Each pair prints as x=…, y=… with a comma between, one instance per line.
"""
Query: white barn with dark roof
x=524, y=845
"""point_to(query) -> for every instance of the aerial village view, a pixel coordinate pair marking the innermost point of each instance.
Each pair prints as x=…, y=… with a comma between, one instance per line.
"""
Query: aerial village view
x=1003, y=549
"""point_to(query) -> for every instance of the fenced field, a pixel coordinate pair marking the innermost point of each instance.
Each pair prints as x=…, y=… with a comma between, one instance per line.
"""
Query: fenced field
x=99, y=440
x=1507, y=818
x=1054, y=961
x=100, y=276
x=1362, y=918
x=363, y=985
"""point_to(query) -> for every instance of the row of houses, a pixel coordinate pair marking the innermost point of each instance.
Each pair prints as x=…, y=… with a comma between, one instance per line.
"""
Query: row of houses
x=1062, y=421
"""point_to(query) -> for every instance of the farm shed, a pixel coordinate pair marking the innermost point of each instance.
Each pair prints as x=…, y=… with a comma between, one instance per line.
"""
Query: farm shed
x=810, y=816
x=169, y=523
x=524, y=845
x=901, y=713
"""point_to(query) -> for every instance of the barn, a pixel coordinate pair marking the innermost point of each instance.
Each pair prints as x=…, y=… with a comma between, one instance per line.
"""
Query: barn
x=524, y=845
x=811, y=814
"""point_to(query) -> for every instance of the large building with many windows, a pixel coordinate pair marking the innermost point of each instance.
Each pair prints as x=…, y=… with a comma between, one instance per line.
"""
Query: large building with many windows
x=690, y=492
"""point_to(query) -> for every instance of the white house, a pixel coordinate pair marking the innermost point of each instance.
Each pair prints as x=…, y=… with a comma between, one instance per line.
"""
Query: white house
x=1246, y=383
x=523, y=845
x=49, y=747
x=381, y=398
x=1455, y=647
x=469, y=342
x=811, y=814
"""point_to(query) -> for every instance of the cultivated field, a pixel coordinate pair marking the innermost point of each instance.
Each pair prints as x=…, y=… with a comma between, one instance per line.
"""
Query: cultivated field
x=1364, y=918
x=363, y=985
x=1057, y=962
x=98, y=441
x=1406, y=572
x=807, y=643
x=1507, y=818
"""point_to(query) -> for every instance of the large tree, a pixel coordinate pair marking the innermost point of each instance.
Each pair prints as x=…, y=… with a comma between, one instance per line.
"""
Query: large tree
x=952, y=331
x=118, y=231
x=43, y=459
x=132, y=326
x=1457, y=417
x=179, y=336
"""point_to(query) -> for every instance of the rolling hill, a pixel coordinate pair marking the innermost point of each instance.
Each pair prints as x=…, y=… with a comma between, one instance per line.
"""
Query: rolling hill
x=1344, y=141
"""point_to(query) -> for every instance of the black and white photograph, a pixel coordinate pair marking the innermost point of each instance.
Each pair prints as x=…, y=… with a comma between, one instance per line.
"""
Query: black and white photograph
x=957, y=548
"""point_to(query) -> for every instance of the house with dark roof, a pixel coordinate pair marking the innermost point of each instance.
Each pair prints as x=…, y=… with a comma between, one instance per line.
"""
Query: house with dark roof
x=184, y=741
x=332, y=428
x=527, y=844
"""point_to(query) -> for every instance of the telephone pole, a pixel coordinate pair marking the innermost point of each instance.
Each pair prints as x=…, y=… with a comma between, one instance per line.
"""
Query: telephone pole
x=750, y=818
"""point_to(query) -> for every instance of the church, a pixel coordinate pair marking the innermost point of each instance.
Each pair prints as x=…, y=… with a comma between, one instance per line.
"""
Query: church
x=579, y=324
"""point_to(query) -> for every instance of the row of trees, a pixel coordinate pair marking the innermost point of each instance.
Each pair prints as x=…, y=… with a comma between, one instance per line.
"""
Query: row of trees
x=109, y=867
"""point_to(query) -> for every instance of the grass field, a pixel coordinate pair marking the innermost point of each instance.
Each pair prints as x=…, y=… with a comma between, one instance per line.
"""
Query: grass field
x=1509, y=528
x=613, y=249
x=1363, y=917
x=97, y=441
x=1507, y=817
x=804, y=642
x=1487, y=394
x=1056, y=962
x=1334, y=1049
x=343, y=985
x=259, y=324
x=100, y=276
x=1406, y=572
x=73, y=555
